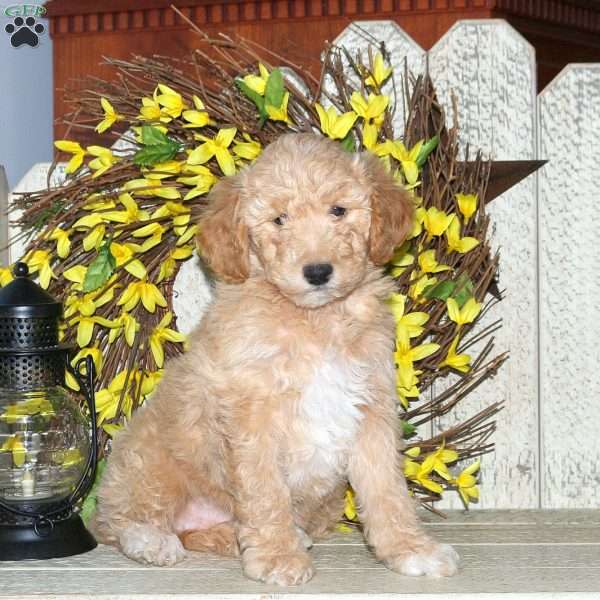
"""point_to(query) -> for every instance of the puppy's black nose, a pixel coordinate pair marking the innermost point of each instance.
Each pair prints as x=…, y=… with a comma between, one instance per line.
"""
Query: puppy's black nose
x=317, y=273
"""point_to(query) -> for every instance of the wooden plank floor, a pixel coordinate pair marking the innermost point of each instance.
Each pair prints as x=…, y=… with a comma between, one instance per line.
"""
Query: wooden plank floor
x=504, y=554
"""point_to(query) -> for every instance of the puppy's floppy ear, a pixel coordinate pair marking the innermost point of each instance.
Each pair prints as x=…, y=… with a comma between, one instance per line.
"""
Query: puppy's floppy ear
x=392, y=211
x=222, y=237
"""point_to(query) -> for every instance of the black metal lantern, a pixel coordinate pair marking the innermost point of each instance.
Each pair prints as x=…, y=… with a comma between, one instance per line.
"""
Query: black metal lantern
x=48, y=448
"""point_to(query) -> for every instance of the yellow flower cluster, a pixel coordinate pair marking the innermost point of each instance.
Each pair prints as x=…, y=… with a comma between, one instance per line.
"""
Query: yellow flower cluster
x=113, y=283
x=435, y=464
x=426, y=471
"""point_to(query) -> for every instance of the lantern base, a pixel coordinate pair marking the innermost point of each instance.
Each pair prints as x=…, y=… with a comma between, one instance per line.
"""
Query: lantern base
x=66, y=538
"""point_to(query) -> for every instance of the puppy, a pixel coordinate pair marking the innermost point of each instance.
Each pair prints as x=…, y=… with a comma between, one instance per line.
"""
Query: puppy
x=288, y=389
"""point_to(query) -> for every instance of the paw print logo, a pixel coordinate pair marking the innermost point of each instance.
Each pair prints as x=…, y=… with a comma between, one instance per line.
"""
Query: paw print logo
x=24, y=31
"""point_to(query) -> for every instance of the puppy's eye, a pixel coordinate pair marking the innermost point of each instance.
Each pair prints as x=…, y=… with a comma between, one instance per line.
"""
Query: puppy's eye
x=337, y=211
x=279, y=221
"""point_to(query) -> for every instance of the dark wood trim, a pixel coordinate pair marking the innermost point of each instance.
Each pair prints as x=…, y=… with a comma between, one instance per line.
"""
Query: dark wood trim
x=67, y=17
x=551, y=31
x=580, y=15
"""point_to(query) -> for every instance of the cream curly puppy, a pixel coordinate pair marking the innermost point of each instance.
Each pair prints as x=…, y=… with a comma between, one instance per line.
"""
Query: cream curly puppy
x=288, y=389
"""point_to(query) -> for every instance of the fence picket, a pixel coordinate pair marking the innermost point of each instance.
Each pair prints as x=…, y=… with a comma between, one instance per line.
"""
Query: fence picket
x=491, y=68
x=569, y=192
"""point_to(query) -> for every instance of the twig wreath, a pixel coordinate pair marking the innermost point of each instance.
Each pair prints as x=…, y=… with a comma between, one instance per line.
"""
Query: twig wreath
x=111, y=239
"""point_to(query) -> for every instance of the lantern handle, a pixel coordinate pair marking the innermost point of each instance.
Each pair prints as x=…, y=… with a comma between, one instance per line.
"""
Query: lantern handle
x=86, y=383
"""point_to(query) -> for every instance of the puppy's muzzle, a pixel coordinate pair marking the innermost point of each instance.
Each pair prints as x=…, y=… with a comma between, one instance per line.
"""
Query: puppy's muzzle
x=317, y=273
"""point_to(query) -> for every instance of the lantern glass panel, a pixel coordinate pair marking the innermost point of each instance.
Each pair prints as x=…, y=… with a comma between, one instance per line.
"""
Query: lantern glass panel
x=44, y=444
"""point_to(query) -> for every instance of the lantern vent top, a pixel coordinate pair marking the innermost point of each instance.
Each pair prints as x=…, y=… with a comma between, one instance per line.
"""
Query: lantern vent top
x=29, y=315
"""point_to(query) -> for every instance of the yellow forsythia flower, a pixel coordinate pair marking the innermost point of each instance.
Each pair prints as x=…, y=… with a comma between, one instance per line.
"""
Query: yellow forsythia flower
x=350, y=506
x=279, y=113
x=257, y=83
x=125, y=324
x=437, y=461
x=40, y=261
x=143, y=291
x=71, y=148
x=104, y=160
x=249, y=150
x=467, y=204
x=405, y=356
x=460, y=362
x=429, y=264
x=171, y=102
x=217, y=147
x=466, y=483
x=420, y=472
x=107, y=399
x=63, y=243
x=415, y=291
x=333, y=124
x=110, y=116
x=6, y=276
x=467, y=314
x=380, y=72
x=407, y=158
x=198, y=117
x=409, y=324
x=123, y=254
x=371, y=108
x=436, y=221
x=162, y=334
x=455, y=242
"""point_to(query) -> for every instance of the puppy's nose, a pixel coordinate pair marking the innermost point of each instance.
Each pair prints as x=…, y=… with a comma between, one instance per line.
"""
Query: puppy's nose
x=317, y=273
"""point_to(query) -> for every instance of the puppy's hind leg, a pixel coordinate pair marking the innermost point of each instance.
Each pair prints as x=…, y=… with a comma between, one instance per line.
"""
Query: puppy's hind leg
x=206, y=524
x=141, y=491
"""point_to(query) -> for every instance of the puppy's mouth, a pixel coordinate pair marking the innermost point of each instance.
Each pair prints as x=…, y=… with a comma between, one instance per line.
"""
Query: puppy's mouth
x=317, y=296
x=315, y=288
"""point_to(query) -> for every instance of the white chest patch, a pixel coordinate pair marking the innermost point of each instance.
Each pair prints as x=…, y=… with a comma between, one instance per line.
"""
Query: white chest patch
x=328, y=419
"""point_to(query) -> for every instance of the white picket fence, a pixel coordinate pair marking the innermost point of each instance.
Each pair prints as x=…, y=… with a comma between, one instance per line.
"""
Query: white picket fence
x=547, y=454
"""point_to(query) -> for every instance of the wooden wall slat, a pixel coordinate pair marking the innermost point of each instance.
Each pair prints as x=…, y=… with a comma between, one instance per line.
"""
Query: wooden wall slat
x=569, y=201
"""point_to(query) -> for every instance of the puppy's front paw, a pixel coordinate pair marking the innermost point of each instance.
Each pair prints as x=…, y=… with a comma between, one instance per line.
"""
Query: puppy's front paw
x=294, y=568
x=147, y=544
x=437, y=560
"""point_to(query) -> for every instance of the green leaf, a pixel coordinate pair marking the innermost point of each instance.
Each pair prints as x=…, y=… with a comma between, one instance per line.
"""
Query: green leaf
x=157, y=153
x=89, y=504
x=348, y=143
x=442, y=290
x=100, y=269
x=464, y=290
x=157, y=147
x=274, y=89
x=152, y=136
x=258, y=100
x=408, y=429
x=426, y=149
